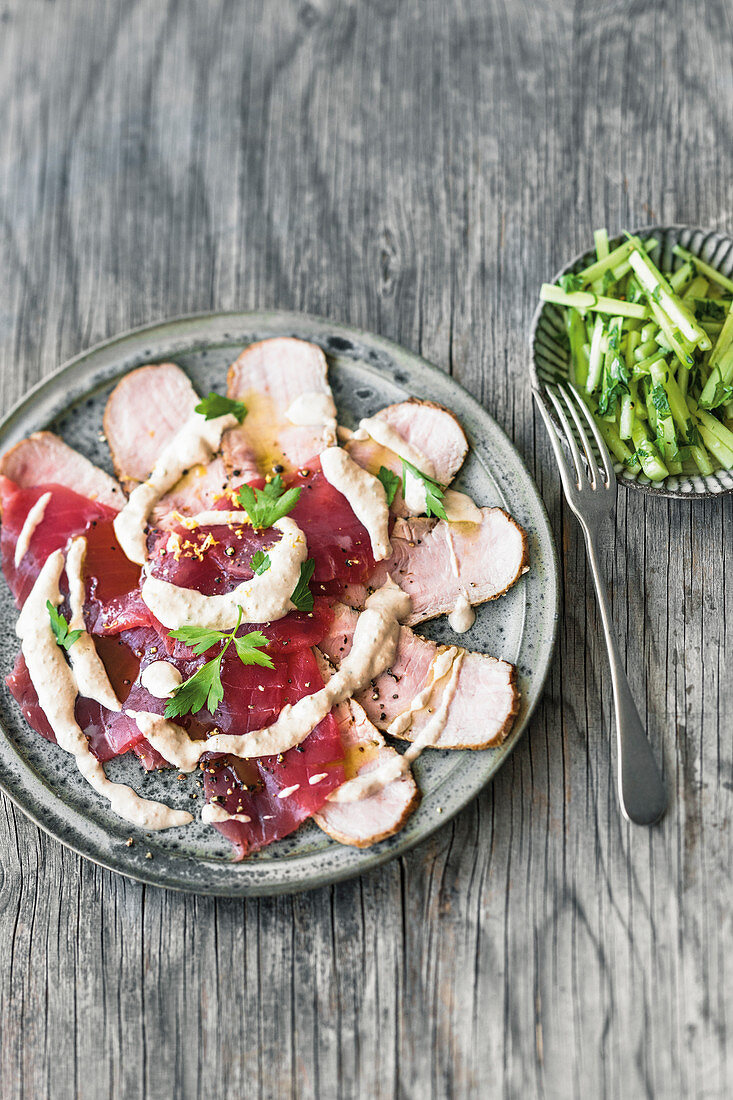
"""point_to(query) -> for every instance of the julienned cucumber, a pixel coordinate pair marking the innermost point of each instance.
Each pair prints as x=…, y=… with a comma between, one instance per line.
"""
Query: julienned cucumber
x=652, y=353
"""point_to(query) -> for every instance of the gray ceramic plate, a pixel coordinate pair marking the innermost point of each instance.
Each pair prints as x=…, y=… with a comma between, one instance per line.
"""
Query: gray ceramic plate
x=550, y=351
x=366, y=373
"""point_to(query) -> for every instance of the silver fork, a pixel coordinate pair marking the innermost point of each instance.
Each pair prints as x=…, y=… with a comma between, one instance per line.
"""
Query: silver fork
x=591, y=493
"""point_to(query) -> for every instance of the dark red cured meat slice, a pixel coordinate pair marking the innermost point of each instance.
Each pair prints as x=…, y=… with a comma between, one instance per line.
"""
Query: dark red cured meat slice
x=24, y=693
x=338, y=543
x=107, y=738
x=254, y=788
x=67, y=514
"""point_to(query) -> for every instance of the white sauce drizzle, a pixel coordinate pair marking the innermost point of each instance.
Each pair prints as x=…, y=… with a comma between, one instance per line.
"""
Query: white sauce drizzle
x=193, y=445
x=459, y=508
x=32, y=520
x=170, y=740
x=462, y=617
x=90, y=674
x=314, y=409
x=286, y=793
x=161, y=679
x=56, y=687
x=263, y=599
x=372, y=651
x=364, y=492
x=317, y=778
x=213, y=519
x=385, y=435
x=212, y=813
x=446, y=664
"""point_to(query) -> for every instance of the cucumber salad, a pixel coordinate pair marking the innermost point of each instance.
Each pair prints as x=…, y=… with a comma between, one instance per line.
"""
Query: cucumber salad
x=651, y=352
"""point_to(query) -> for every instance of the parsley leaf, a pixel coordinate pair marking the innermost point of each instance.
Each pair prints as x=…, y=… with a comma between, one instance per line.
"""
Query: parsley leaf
x=64, y=637
x=260, y=562
x=266, y=506
x=217, y=405
x=302, y=597
x=204, y=690
x=390, y=481
x=199, y=638
x=248, y=649
x=433, y=491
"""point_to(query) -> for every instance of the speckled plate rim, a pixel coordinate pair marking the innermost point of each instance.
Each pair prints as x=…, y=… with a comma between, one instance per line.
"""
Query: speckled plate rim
x=99, y=365
x=582, y=259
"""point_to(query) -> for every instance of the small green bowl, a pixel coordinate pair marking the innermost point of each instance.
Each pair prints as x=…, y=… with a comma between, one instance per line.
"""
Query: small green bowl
x=549, y=361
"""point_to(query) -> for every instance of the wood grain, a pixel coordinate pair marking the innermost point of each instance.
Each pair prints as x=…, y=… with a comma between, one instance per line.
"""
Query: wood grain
x=416, y=168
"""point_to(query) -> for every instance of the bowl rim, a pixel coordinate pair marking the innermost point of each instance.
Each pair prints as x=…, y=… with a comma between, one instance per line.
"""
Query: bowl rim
x=650, y=488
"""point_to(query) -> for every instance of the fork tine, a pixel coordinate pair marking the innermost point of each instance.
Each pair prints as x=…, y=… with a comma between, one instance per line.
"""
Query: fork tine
x=600, y=441
x=593, y=471
x=580, y=476
x=562, y=462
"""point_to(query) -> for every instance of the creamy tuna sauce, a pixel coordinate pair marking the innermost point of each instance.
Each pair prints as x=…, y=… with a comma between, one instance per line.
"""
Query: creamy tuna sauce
x=374, y=427
x=193, y=445
x=459, y=508
x=57, y=689
x=32, y=520
x=170, y=740
x=364, y=492
x=161, y=679
x=263, y=599
x=445, y=667
x=372, y=651
x=462, y=617
x=212, y=813
x=313, y=409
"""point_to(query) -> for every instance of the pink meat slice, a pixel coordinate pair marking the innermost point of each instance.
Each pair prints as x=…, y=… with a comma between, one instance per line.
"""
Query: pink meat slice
x=268, y=377
x=429, y=428
x=481, y=711
x=434, y=562
x=144, y=412
x=146, y=409
x=372, y=819
x=44, y=459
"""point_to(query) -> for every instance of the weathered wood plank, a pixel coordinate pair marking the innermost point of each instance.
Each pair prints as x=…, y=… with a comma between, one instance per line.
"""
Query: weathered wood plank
x=416, y=168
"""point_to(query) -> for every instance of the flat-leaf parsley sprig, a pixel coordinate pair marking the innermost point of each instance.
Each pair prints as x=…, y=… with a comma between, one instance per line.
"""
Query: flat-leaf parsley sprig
x=65, y=638
x=302, y=597
x=260, y=562
x=391, y=482
x=215, y=404
x=266, y=506
x=433, y=491
x=203, y=690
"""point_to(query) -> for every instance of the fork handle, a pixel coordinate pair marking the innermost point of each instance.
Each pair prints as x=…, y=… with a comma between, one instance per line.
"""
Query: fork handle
x=640, y=788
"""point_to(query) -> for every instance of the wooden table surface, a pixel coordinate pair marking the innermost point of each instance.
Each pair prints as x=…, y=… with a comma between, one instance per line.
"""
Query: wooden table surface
x=416, y=168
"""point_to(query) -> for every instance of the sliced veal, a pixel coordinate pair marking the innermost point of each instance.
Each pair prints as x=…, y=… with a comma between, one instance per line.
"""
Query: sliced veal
x=483, y=705
x=372, y=819
x=436, y=562
x=144, y=412
x=290, y=412
x=44, y=459
x=429, y=429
